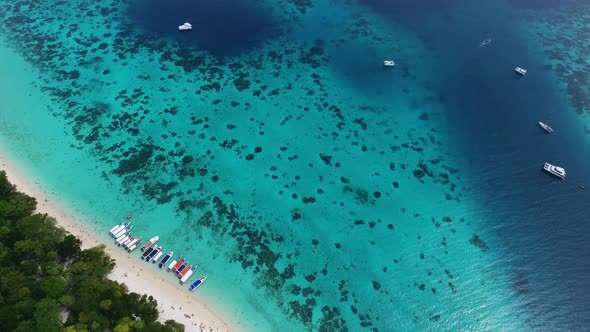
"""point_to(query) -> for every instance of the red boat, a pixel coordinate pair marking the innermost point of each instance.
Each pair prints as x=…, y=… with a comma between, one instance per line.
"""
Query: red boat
x=180, y=262
x=181, y=274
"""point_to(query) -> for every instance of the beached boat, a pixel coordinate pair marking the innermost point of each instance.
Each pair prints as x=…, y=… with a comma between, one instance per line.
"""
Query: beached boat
x=186, y=26
x=123, y=239
x=182, y=267
x=150, y=242
x=120, y=227
x=148, y=251
x=124, y=233
x=555, y=170
x=178, y=264
x=114, y=228
x=173, y=264
x=134, y=242
x=124, y=230
x=124, y=244
x=186, y=275
x=521, y=71
x=120, y=237
x=152, y=254
x=389, y=63
x=158, y=255
x=546, y=127
x=197, y=283
x=166, y=259
x=185, y=271
x=133, y=247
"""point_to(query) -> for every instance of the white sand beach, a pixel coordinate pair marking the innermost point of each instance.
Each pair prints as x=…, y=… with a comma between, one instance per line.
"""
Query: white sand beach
x=174, y=301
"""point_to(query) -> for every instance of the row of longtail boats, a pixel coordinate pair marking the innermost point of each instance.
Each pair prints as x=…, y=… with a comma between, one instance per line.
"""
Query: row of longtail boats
x=152, y=253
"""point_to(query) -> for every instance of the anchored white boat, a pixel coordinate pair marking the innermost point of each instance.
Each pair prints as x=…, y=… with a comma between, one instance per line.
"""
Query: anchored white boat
x=521, y=71
x=158, y=255
x=546, y=127
x=485, y=42
x=186, y=26
x=150, y=242
x=389, y=63
x=555, y=170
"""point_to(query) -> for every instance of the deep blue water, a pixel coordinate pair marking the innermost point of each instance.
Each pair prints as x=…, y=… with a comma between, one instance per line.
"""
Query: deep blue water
x=543, y=222
x=222, y=27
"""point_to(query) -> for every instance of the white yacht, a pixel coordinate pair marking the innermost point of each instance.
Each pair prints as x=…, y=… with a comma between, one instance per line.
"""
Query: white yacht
x=555, y=170
x=546, y=127
x=521, y=71
x=185, y=26
x=389, y=63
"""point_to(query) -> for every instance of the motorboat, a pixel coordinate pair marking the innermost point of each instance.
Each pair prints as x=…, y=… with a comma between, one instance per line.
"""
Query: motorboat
x=389, y=63
x=186, y=26
x=158, y=255
x=555, y=170
x=166, y=259
x=150, y=242
x=546, y=127
x=485, y=42
x=197, y=283
x=521, y=71
x=153, y=253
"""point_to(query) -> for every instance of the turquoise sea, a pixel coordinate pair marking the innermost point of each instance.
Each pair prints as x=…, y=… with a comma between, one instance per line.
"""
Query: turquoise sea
x=316, y=188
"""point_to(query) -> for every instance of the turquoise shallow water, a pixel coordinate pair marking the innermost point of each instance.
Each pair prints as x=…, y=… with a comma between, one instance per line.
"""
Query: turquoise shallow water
x=318, y=190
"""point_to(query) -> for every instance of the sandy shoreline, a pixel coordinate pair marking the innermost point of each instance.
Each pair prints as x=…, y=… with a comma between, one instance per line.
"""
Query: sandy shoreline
x=174, y=301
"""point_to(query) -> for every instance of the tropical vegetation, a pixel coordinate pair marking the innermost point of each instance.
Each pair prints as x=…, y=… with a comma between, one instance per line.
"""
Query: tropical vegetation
x=48, y=283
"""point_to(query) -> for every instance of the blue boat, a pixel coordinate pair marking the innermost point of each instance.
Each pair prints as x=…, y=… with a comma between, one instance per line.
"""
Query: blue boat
x=182, y=267
x=197, y=283
x=165, y=259
x=148, y=251
x=153, y=253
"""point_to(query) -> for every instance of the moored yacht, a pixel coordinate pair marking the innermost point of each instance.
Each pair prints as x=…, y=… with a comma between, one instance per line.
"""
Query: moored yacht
x=150, y=242
x=546, y=127
x=186, y=26
x=555, y=170
x=521, y=71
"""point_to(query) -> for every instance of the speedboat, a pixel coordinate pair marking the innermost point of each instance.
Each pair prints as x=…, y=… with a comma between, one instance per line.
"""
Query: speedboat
x=166, y=259
x=186, y=26
x=546, y=127
x=197, y=283
x=521, y=71
x=150, y=242
x=485, y=42
x=555, y=170
x=389, y=63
